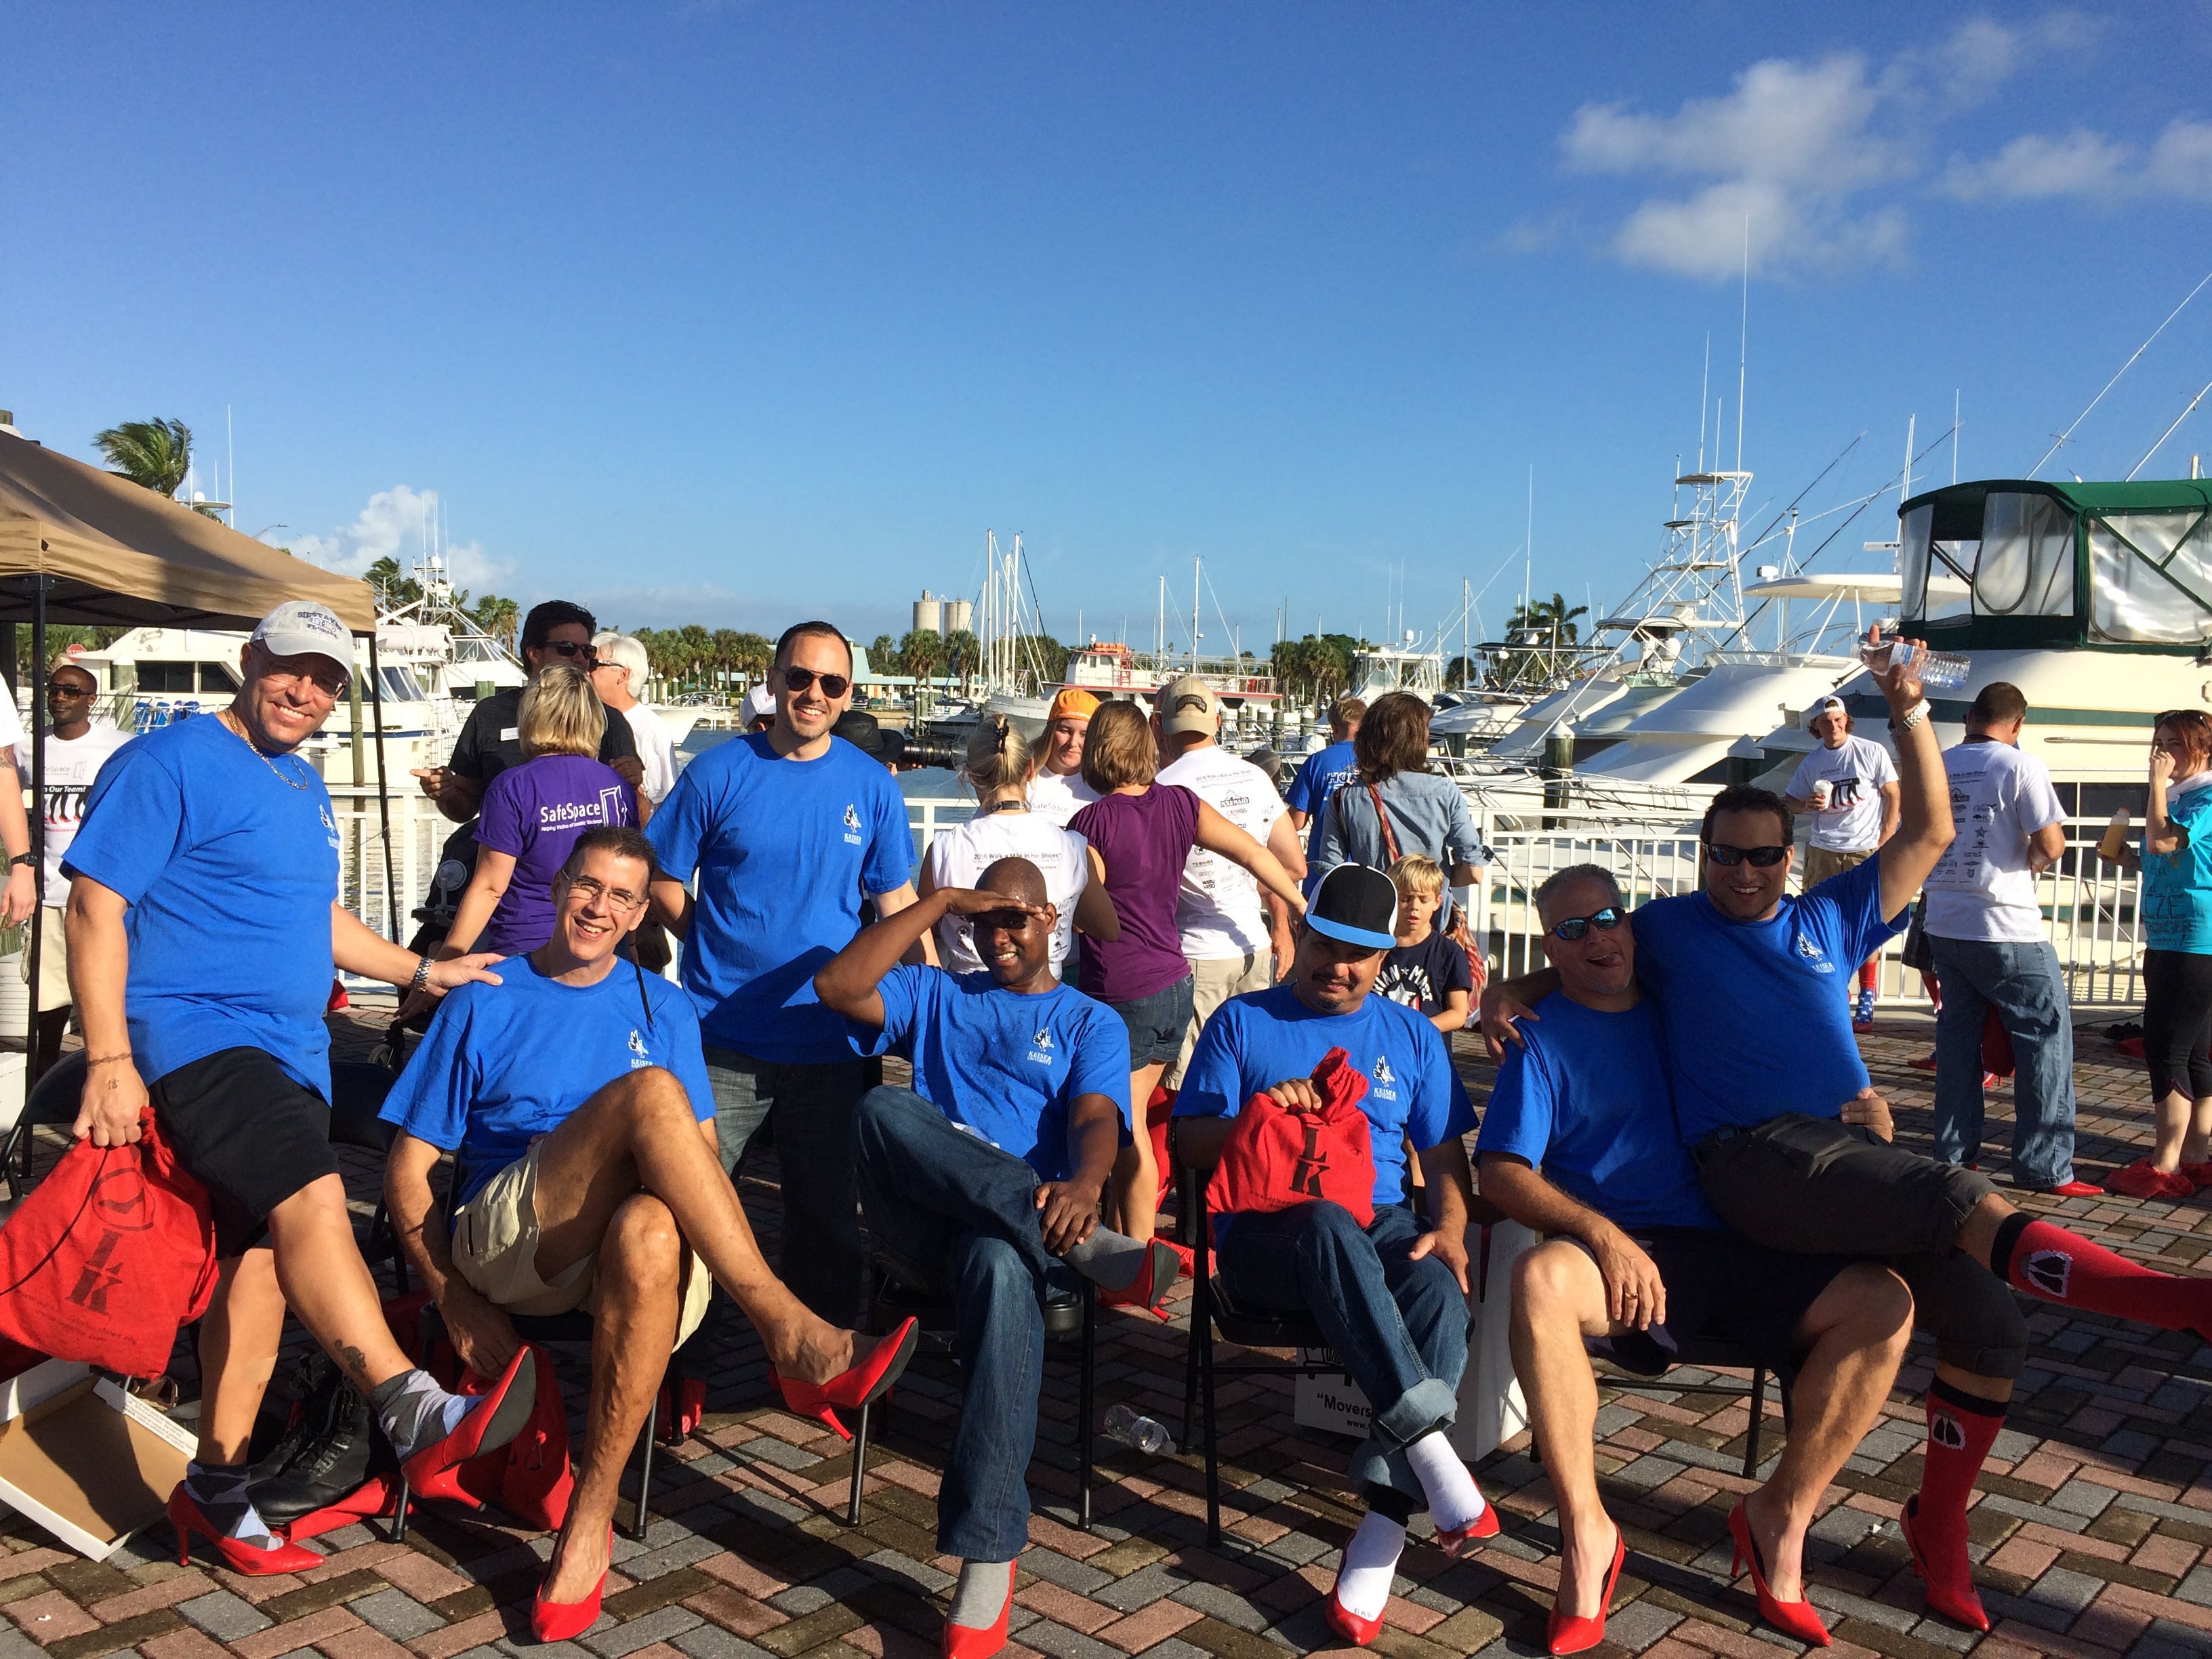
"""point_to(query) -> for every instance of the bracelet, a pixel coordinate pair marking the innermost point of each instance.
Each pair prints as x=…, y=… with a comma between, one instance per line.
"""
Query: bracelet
x=1919, y=713
x=422, y=979
x=105, y=1060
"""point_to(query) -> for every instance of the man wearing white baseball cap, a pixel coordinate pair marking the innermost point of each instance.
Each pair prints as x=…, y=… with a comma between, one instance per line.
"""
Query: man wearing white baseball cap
x=1848, y=786
x=204, y=930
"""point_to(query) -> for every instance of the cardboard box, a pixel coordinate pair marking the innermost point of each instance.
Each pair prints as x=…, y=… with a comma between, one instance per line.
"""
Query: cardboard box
x=1331, y=1402
x=88, y=1462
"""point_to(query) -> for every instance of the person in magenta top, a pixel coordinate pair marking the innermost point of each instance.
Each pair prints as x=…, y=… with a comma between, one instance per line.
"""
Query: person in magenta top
x=1140, y=834
x=533, y=814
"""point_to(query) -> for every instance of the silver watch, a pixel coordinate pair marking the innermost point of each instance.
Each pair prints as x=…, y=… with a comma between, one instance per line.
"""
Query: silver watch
x=422, y=979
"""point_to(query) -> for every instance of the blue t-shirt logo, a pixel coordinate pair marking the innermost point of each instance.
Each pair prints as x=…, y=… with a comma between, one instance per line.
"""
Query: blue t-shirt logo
x=639, y=1057
x=1384, y=1076
x=851, y=824
x=1811, y=952
x=1041, y=1047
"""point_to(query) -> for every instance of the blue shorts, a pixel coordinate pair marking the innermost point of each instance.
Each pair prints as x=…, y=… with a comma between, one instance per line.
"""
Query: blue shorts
x=1157, y=1024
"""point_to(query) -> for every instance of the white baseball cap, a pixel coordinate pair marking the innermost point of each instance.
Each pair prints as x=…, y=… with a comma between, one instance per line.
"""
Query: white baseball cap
x=300, y=628
x=759, y=705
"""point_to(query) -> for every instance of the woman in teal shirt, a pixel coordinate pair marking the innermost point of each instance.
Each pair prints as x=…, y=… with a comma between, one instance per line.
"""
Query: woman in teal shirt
x=2177, y=920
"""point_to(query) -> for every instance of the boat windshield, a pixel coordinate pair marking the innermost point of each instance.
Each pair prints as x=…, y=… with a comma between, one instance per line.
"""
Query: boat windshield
x=2150, y=577
x=2020, y=565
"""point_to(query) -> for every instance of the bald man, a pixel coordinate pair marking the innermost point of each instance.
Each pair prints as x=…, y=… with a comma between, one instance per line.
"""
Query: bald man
x=982, y=1183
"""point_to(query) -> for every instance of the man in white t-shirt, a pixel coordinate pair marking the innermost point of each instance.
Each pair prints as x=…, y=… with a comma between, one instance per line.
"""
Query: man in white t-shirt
x=1984, y=928
x=1233, y=934
x=1057, y=791
x=618, y=677
x=1849, y=786
x=76, y=745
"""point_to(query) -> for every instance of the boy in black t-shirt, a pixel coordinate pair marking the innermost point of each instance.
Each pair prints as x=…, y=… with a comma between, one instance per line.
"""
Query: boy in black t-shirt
x=1427, y=969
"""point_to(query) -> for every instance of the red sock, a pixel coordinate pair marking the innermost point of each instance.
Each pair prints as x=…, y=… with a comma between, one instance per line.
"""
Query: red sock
x=2058, y=1265
x=1961, y=1428
x=1869, y=979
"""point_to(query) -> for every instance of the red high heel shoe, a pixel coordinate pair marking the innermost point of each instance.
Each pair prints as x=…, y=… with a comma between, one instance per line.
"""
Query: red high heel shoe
x=1452, y=1539
x=563, y=1621
x=974, y=1642
x=853, y=1388
x=502, y=1409
x=188, y=1517
x=1950, y=1589
x=1350, y=1626
x=1575, y=1632
x=1163, y=1261
x=1795, y=1617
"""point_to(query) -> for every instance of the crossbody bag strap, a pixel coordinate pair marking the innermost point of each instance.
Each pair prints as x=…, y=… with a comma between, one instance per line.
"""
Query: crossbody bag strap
x=1389, y=838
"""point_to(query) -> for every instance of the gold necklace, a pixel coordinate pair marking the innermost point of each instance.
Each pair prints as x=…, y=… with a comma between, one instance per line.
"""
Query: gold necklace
x=224, y=715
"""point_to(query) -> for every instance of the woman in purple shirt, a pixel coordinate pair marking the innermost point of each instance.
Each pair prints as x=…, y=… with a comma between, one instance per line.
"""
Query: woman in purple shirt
x=532, y=814
x=1140, y=834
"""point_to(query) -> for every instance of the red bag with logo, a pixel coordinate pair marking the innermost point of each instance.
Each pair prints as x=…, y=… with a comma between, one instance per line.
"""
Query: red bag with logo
x=1276, y=1158
x=109, y=1255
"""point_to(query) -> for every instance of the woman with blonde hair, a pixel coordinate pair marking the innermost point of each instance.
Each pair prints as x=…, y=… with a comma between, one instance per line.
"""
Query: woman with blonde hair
x=1005, y=827
x=1141, y=833
x=532, y=814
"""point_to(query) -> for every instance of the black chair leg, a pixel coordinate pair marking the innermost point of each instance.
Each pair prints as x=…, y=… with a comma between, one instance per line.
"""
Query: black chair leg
x=399, y=1513
x=1757, y=1420
x=1085, y=1406
x=643, y=1515
x=1212, y=1438
x=860, y=1464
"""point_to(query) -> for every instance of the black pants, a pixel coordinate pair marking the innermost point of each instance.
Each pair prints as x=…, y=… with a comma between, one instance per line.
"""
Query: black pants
x=1818, y=1187
x=2178, y=1022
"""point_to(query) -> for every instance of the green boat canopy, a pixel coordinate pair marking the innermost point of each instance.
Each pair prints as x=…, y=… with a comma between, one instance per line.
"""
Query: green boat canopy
x=2105, y=566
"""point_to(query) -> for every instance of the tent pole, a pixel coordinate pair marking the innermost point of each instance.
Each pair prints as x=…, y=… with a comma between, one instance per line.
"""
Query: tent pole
x=37, y=822
x=383, y=799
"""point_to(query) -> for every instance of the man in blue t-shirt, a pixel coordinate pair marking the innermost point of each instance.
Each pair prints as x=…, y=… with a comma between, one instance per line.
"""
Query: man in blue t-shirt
x=982, y=1183
x=203, y=932
x=1320, y=774
x=576, y=1101
x=1579, y=1142
x=785, y=829
x=1392, y=1296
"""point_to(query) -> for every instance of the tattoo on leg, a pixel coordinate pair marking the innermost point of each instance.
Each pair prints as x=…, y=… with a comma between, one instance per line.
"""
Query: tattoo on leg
x=354, y=1361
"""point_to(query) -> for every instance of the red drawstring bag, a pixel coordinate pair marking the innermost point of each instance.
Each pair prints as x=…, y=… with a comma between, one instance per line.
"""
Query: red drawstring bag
x=109, y=1255
x=1276, y=1158
x=1997, y=1047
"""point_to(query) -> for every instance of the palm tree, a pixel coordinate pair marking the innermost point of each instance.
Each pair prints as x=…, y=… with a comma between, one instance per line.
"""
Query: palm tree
x=921, y=651
x=963, y=654
x=499, y=617
x=882, y=654
x=154, y=454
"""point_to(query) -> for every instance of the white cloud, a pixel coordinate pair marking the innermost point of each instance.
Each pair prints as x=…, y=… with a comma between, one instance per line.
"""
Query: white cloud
x=395, y=524
x=2090, y=166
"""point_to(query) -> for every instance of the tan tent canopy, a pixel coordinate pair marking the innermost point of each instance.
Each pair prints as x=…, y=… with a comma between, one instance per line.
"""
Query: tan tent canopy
x=119, y=555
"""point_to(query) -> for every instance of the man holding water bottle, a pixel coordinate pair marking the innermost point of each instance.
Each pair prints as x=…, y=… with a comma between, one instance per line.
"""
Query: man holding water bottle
x=1849, y=785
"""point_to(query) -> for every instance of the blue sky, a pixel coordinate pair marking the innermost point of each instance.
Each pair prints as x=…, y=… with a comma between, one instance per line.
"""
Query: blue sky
x=732, y=314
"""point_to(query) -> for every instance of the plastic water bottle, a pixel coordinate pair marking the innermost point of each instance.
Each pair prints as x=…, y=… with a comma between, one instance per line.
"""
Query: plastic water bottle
x=1142, y=1432
x=1937, y=671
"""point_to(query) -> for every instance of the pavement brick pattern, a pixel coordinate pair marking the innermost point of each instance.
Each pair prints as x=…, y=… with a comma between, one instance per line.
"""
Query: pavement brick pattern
x=2092, y=1523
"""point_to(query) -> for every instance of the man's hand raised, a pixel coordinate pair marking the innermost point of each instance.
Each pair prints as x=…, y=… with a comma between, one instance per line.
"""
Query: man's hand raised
x=974, y=901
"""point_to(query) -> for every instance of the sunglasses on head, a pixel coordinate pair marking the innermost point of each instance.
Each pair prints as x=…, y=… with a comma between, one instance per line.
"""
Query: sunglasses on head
x=1604, y=920
x=798, y=679
x=1760, y=858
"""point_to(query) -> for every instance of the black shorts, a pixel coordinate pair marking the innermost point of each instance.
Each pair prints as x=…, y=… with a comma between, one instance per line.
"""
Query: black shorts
x=251, y=1134
x=1720, y=1289
x=1803, y=1183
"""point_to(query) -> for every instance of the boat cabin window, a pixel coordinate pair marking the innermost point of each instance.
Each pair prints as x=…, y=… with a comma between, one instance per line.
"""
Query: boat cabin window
x=185, y=677
x=2150, y=577
x=2021, y=563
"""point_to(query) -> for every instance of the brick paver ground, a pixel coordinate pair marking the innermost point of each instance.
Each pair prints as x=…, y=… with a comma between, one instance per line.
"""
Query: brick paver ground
x=2092, y=1523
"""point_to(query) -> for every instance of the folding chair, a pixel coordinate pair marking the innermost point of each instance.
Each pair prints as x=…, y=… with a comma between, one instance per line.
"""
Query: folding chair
x=1069, y=1316
x=53, y=1101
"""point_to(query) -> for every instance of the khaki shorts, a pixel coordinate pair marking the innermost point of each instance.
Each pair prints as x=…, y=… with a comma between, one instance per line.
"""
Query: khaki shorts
x=53, y=961
x=495, y=1248
x=1213, y=981
x=1821, y=864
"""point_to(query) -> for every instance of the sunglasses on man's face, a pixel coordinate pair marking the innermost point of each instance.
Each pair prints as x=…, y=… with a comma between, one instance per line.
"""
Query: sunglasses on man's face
x=1605, y=921
x=572, y=650
x=833, y=685
x=1762, y=857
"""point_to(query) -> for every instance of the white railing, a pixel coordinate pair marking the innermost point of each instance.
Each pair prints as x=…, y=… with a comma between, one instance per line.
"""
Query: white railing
x=2091, y=909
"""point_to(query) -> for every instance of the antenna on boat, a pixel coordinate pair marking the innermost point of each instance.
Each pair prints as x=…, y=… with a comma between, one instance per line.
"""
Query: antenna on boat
x=1954, y=433
x=2169, y=432
x=1743, y=343
x=1705, y=400
x=2060, y=440
x=230, y=462
x=1904, y=488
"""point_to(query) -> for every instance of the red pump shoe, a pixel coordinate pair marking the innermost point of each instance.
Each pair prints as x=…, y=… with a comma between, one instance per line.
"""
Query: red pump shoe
x=856, y=1385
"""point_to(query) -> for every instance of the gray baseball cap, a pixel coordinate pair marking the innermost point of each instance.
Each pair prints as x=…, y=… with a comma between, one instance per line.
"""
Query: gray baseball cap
x=300, y=628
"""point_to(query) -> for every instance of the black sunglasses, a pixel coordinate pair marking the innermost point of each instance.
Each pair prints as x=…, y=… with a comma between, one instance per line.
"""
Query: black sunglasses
x=1604, y=920
x=1760, y=858
x=798, y=679
x=57, y=689
x=571, y=649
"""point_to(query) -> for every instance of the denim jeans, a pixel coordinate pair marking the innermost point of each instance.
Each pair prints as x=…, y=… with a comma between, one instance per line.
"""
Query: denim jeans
x=813, y=1105
x=2023, y=983
x=958, y=1217
x=1399, y=1325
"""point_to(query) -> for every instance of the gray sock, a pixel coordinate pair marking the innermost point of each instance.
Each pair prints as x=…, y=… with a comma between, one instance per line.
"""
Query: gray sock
x=414, y=1412
x=1109, y=1260
x=981, y=1592
x=220, y=1491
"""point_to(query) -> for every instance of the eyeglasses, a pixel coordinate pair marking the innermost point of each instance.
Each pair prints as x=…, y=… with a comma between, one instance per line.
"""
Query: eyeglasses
x=571, y=650
x=798, y=679
x=1762, y=857
x=1604, y=920
x=592, y=890
x=56, y=688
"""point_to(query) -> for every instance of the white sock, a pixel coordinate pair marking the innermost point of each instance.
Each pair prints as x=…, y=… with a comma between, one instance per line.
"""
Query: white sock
x=1453, y=1499
x=981, y=1594
x=1370, y=1562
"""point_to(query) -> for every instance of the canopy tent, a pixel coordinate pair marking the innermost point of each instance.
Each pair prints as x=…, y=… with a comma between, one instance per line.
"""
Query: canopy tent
x=81, y=545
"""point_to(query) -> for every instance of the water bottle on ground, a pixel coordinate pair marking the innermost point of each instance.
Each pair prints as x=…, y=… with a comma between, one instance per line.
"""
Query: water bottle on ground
x=1937, y=671
x=1142, y=1432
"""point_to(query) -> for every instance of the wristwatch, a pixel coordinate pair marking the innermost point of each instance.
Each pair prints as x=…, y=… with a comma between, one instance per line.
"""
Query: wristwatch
x=22, y=858
x=422, y=979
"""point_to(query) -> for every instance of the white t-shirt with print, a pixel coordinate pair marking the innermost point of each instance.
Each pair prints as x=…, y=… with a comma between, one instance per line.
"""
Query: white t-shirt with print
x=1059, y=798
x=1218, y=912
x=72, y=765
x=1980, y=888
x=1856, y=773
x=655, y=750
x=959, y=857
